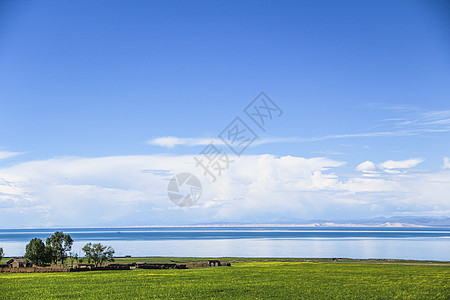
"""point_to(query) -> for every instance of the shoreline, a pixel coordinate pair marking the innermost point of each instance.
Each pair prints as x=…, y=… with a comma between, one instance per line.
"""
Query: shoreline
x=338, y=260
x=309, y=225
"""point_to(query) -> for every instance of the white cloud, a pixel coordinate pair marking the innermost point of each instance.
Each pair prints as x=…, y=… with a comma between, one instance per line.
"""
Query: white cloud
x=446, y=164
x=172, y=141
x=8, y=154
x=366, y=166
x=131, y=190
x=330, y=152
x=400, y=164
x=416, y=122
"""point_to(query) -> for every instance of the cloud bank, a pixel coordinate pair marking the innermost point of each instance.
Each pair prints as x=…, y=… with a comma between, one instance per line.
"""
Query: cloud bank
x=131, y=190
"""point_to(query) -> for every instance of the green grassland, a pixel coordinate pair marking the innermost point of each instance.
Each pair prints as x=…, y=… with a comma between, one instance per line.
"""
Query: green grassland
x=161, y=259
x=243, y=280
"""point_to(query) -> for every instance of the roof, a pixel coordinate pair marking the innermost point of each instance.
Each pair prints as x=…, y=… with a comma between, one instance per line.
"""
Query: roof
x=12, y=260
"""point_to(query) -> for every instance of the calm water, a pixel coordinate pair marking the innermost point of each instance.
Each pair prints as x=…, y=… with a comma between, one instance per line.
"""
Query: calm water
x=404, y=243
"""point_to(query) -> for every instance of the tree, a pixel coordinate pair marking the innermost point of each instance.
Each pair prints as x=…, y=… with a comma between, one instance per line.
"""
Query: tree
x=1, y=253
x=60, y=244
x=74, y=257
x=37, y=253
x=87, y=249
x=98, y=253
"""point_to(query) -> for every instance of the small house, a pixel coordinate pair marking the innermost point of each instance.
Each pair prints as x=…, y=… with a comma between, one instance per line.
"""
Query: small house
x=17, y=262
x=214, y=263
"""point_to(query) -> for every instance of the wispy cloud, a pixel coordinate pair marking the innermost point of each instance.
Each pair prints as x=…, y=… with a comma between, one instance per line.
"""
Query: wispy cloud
x=414, y=118
x=8, y=154
x=446, y=164
x=330, y=152
x=172, y=141
x=417, y=122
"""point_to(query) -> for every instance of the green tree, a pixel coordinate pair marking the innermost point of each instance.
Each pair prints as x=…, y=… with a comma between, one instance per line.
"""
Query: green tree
x=37, y=253
x=59, y=244
x=74, y=257
x=98, y=253
x=87, y=249
x=1, y=253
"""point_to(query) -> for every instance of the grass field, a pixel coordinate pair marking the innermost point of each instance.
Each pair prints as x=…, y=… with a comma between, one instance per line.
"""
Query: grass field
x=245, y=280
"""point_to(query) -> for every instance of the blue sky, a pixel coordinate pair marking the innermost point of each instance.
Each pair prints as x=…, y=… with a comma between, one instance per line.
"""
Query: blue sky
x=86, y=82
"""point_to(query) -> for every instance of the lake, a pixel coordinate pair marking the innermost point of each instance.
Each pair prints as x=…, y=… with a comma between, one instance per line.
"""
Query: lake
x=349, y=242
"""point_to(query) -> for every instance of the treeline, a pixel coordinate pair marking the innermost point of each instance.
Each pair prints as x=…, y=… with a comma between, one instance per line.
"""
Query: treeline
x=54, y=250
x=57, y=250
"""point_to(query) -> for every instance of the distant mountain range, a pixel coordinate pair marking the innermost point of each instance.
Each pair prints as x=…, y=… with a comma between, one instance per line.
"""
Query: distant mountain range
x=397, y=221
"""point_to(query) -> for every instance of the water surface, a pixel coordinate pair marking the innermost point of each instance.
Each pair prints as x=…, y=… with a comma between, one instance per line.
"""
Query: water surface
x=354, y=242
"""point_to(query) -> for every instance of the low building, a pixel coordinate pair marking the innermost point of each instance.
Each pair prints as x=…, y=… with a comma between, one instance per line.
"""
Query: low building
x=17, y=262
x=214, y=263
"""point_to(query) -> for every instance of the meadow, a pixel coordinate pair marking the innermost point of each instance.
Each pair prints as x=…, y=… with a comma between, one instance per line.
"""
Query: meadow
x=243, y=280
